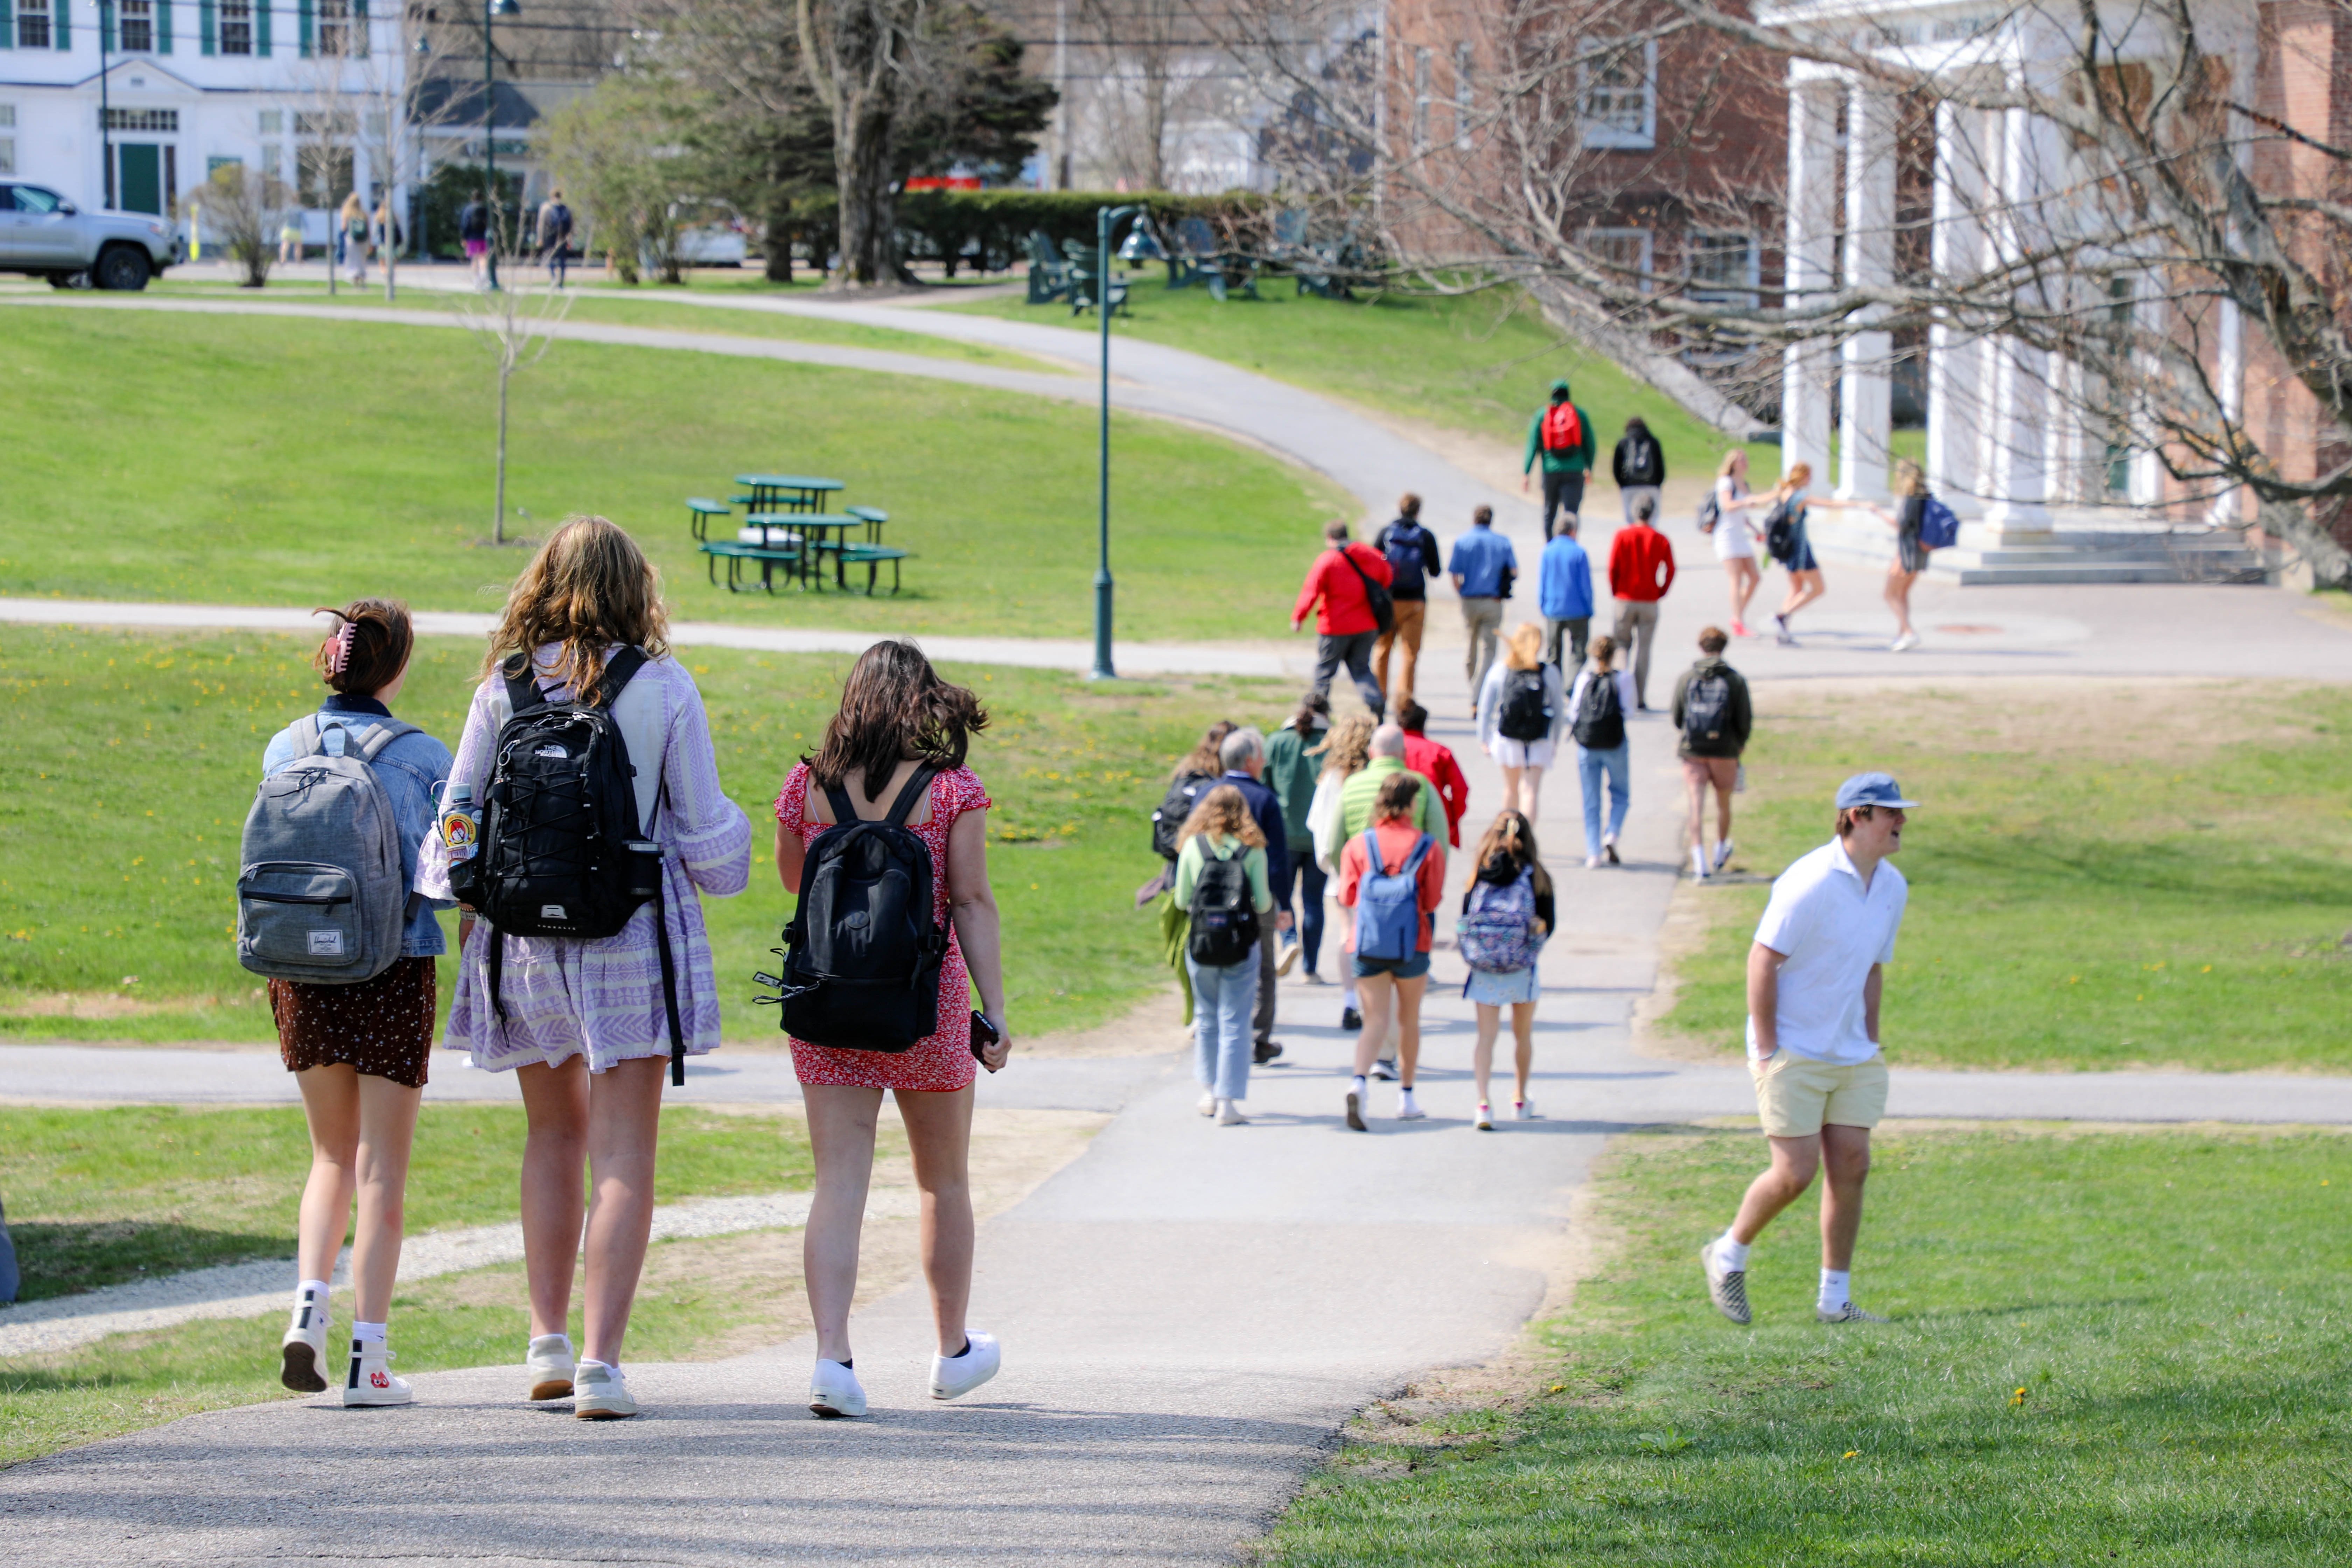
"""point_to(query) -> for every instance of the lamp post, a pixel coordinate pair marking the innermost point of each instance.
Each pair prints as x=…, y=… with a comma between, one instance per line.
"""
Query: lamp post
x=1105, y=219
x=492, y=9
x=105, y=115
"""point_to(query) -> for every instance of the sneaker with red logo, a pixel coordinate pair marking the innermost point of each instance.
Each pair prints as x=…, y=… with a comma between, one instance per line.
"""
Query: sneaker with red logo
x=370, y=1379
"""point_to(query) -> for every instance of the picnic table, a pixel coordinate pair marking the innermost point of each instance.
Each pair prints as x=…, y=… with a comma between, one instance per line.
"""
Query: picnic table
x=785, y=492
x=817, y=534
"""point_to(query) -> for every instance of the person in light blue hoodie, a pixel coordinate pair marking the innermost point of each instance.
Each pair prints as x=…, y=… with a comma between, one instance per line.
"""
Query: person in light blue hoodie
x=358, y=1051
x=1564, y=594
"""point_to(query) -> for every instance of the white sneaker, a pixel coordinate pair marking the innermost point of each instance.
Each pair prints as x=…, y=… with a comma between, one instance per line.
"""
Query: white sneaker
x=834, y=1391
x=1525, y=1109
x=1229, y=1114
x=1485, y=1121
x=1904, y=643
x=302, y=1353
x=1209, y=1102
x=1286, y=958
x=599, y=1393
x=1698, y=863
x=550, y=1365
x=1592, y=862
x=370, y=1379
x=1722, y=852
x=1409, y=1109
x=953, y=1377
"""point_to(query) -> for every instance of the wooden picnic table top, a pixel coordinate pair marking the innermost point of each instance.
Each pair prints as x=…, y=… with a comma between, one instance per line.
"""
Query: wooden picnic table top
x=788, y=482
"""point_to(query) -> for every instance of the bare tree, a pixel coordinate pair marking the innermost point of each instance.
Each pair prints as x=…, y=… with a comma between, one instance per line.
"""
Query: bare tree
x=245, y=208
x=514, y=325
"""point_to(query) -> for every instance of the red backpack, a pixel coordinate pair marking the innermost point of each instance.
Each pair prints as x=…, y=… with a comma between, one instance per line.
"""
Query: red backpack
x=1563, y=430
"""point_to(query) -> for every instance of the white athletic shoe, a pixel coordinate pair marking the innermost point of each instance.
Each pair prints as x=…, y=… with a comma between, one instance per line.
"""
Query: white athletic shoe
x=1229, y=1114
x=1848, y=1313
x=1356, y=1112
x=1525, y=1109
x=1485, y=1121
x=370, y=1379
x=302, y=1353
x=1727, y=1288
x=550, y=1365
x=1592, y=862
x=1209, y=1102
x=953, y=1377
x=834, y=1391
x=1904, y=643
x=1698, y=863
x=1722, y=852
x=599, y=1393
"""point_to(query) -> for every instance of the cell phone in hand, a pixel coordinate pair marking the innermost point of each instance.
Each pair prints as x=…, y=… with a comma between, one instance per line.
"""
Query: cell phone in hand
x=983, y=1035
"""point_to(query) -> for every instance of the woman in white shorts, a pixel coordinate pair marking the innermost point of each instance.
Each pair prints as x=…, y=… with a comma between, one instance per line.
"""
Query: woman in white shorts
x=1523, y=762
x=1735, y=537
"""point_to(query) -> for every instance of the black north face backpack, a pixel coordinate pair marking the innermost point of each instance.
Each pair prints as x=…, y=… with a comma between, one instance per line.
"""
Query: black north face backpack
x=563, y=852
x=1223, y=922
x=863, y=952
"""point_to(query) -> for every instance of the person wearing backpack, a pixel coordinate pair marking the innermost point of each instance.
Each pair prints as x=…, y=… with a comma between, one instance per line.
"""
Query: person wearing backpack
x=1391, y=880
x=1922, y=525
x=1564, y=594
x=1244, y=755
x=1723, y=517
x=897, y=1014
x=1186, y=782
x=1641, y=570
x=555, y=236
x=345, y=807
x=1482, y=566
x=1713, y=717
x=1347, y=752
x=1346, y=592
x=1639, y=467
x=1561, y=435
x=1785, y=539
x=1521, y=711
x=588, y=974
x=1294, y=756
x=1507, y=914
x=1410, y=551
x=1220, y=878
x=1597, y=709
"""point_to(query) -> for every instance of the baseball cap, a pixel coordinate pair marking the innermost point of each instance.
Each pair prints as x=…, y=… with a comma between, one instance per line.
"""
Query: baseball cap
x=1871, y=789
x=1561, y=386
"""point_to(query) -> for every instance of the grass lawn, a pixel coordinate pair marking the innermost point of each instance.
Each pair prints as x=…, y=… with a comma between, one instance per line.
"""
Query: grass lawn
x=1483, y=363
x=2102, y=874
x=132, y=759
x=2124, y=1346
x=279, y=461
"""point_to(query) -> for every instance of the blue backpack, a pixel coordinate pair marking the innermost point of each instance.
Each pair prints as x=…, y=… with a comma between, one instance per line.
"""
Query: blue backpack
x=1388, y=904
x=1939, y=526
x=1497, y=932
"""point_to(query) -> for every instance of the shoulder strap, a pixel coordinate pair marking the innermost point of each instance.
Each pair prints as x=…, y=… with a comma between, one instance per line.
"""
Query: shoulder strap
x=905, y=805
x=522, y=691
x=1361, y=575
x=1413, y=861
x=617, y=671
x=844, y=810
x=1373, y=853
x=384, y=733
x=308, y=739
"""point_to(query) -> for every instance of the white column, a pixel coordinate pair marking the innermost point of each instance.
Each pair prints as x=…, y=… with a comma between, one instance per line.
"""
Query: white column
x=1957, y=251
x=1811, y=268
x=1865, y=407
x=2230, y=383
x=2016, y=447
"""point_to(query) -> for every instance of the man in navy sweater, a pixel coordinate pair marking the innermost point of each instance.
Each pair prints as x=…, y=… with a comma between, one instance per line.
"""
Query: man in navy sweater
x=1244, y=755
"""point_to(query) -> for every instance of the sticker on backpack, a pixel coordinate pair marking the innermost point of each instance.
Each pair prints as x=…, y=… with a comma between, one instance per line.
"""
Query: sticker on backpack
x=552, y=912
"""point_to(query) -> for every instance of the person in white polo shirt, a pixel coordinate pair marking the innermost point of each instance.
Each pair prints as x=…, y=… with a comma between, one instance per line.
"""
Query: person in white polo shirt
x=1813, y=979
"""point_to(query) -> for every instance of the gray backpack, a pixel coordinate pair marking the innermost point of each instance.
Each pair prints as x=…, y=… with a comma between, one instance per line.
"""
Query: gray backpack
x=320, y=896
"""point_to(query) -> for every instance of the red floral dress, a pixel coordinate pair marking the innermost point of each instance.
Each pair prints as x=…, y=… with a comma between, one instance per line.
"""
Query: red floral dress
x=941, y=1063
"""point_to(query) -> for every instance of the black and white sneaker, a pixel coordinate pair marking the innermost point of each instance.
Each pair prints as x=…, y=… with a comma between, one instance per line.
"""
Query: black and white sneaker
x=1384, y=1070
x=1263, y=1053
x=1727, y=1288
x=1848, y=1313
x=1356, y=1112
x=1351, y=1019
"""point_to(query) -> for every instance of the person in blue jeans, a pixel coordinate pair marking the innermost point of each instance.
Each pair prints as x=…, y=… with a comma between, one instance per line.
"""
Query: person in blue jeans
x=1564, y=594
x=1482, y=564
x=1224, y=995
x=1598, y=725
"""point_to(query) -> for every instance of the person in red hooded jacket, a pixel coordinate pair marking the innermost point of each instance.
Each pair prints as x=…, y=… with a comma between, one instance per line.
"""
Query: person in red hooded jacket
x=1346, y=630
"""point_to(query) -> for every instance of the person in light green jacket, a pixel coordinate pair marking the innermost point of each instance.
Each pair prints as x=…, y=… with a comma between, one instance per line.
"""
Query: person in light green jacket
x=1356, y=794
x=1561, y=435
x=1294, y=758
x=1224, y=996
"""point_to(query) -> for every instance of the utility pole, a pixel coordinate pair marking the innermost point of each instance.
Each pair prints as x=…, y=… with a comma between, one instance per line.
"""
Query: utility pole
x=1061, y=95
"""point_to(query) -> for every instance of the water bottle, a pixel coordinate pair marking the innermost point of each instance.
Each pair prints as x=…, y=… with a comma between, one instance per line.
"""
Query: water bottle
x=461, y=834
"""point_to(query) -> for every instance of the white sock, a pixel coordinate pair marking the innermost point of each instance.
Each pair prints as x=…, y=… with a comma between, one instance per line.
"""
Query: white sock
x=367, y=1333
x=610, y=1368
x=1404, y=1098
x=1732, y=1254
x=1348, y=995
x=1357, y=1086
x=1837, y=1289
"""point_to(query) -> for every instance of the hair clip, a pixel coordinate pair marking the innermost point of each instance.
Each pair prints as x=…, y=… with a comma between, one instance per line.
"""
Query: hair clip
x=342, y=654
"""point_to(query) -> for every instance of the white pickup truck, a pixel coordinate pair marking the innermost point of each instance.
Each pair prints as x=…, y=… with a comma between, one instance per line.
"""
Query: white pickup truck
x=44, y=234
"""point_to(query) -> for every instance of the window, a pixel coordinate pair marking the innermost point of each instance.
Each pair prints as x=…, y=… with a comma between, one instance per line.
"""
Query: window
x=323, y=175
x=1618, y=86
x=1420, y=100
x=1462, y=55
x=271, y=161
x=1626, y=252
x=33, y=199
x=32, y=23
x=272, y=121
x=165, y=121
x=341, y=31
x=236, y=26
x=8, y=142
x=1723, y=268
x=326, y=127
x=135, y=24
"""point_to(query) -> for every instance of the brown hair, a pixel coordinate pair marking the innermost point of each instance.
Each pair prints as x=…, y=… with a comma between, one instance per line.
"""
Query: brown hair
x=588, y=588
x=1408, y=505
x=1349, y=746
x=1336, y=529
x=1203, y=759
x=1848, y=816
x=381, y=638
x=1524, y=647
x=1395, y=799
x=1908, y=479
x=1223, y=810
x=1713, y=639
x=894, y=708
x=1313, y=706
x=1411, y=717
x=1511, y=838
x=1603, y=649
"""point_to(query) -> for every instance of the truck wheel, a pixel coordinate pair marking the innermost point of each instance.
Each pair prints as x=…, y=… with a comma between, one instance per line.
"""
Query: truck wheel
x=123, y=267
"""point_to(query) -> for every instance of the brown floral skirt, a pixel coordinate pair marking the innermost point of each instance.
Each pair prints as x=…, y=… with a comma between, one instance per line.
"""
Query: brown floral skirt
x=382, y=1028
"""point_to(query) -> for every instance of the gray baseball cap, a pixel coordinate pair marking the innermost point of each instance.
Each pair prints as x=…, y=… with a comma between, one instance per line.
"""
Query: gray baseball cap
x=1871, y=789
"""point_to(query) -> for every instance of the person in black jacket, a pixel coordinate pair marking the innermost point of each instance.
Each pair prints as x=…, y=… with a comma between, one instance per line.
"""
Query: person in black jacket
x=1639, y=464
x=1411, y=552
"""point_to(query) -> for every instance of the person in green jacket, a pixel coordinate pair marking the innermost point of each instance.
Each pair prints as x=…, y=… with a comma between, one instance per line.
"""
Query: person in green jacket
x=1356, y=796
x=1561, y=435
x=1294, y=758
x=1224, y=995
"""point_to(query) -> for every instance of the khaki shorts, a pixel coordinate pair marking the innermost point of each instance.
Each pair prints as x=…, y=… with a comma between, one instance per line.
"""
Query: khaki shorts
x=1795, y=1095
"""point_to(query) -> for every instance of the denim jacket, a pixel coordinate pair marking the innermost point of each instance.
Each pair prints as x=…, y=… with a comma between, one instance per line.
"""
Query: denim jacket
x=410, y=769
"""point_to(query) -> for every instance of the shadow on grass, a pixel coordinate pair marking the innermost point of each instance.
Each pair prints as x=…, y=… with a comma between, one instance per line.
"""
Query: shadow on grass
x=66, y=1258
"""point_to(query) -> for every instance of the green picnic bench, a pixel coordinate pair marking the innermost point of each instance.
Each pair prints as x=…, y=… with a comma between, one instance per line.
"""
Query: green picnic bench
x=735, y=552
x=700, y=510
x=871, y=557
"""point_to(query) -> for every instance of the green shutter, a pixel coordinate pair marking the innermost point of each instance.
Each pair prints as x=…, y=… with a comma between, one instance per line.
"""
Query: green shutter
x=163, y=26
x=106, y=34
x=7, y=26
x=207, y=27
x=358, y=29
x=304, y=10
x=60, y=31
x=261, y=10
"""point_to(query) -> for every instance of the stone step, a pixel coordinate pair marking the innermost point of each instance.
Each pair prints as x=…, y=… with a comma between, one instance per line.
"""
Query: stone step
x=2103, y=555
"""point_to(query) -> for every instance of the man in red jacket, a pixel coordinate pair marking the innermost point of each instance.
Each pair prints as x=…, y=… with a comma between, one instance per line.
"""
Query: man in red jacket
x=1344, y=622
x=1641, y=570
x=1433, y=761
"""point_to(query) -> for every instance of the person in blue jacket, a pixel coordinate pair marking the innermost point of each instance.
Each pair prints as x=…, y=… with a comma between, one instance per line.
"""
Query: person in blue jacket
x=1564, y=594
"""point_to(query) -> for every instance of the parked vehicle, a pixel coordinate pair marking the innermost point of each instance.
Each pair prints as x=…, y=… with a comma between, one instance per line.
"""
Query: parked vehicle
x=43, y=233
x=711, y=245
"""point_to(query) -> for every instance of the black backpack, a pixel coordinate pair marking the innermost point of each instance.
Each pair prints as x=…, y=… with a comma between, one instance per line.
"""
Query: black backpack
x=1525, y=715
x=1224, y=920
x=563, y=852
x=1780, y=532
x=1706, y=712
x=1174, y=807
x=1600, y=724
x=863, y=952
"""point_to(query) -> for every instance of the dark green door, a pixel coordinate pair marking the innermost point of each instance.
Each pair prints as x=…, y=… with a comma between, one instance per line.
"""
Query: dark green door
x=143, y=177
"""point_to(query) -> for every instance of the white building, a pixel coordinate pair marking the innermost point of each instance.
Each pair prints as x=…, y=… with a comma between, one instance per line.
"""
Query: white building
x=308, y=91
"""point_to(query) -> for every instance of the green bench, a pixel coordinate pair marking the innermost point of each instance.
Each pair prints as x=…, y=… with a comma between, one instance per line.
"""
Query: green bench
x=871, y=556
x=700, y=510
x=734, y=551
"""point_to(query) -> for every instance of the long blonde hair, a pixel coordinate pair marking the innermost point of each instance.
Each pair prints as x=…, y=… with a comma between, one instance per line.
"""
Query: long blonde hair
x=1795, y=480
x=1523, y=647
x=1908, y=479
x=588, y=588
x=1349, y=745
x=352, y=203
x=1223, y=810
